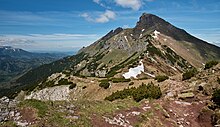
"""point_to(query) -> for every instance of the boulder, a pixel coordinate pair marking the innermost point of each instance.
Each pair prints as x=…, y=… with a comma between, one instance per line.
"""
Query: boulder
x=186, y=95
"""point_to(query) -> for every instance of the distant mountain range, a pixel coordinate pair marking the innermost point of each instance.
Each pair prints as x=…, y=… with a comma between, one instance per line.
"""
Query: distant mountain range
x=14, y=62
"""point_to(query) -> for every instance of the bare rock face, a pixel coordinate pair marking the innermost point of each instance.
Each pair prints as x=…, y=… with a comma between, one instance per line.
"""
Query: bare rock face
x=57, y=93
x=100, y=73
x=7, y=108
x=4, y=109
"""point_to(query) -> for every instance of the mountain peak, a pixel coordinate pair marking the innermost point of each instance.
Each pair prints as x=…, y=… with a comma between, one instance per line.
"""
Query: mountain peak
x=149, y=20
x=147, y=15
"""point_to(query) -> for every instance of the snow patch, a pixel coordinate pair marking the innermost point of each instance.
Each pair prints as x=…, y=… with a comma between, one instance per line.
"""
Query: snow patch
x=133, y=72
x=146, y=108
x=173, y=68
x=155, y=34
x=126, y=38
x=132, y=35
x=140, y=35
x=135, y=113
x=150, y=75
x=172, y=49
x=142, y=30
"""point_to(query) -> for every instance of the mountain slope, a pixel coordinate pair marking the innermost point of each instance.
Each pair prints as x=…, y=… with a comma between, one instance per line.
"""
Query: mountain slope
x=151, y=22
x=162, y=48
x=175, y=38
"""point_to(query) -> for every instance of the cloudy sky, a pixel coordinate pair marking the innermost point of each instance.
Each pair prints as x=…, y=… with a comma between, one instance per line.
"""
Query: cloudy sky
x=64, y=25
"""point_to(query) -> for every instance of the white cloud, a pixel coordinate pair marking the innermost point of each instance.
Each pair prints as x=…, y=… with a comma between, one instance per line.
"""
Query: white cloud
x=58, y=41
x=125, y=26
x=87, y=17
x=106, y=17
x=133, y=4
x=96, y=1
x=101, y=18
x=101, y=4
x=150, y=0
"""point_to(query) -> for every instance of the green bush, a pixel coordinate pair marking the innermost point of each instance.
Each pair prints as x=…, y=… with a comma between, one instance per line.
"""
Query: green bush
x=104, y=85
x=161, y=78
x=210, y=64
x=218, y=80
x=72, y=86
x=64, y=82
x=153, y=50
x=216, y=97
x=142, y=92
x=117, y=80
x=84, y=87
x=47, y=84
x=131, y=83
x=189, y=74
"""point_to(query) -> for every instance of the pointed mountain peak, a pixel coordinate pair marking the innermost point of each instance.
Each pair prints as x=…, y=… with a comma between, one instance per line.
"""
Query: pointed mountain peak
x=147, y=15
x=149, y=20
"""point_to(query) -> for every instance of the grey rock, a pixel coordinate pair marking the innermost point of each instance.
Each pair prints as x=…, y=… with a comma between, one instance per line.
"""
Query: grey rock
x=100, y=73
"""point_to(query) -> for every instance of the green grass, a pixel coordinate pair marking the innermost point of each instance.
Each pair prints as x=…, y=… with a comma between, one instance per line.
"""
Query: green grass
x=41, y=107
x=104, y=107
x=58, y=119
x=55, y=113
x=8, y=124
x=88, y=107
x=129, y=60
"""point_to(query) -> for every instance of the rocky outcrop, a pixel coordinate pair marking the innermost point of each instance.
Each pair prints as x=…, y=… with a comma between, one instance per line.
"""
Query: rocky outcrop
x=186, y=95
x=57, y=93
x=4, y=109
x=8, y=109
x=101, y=73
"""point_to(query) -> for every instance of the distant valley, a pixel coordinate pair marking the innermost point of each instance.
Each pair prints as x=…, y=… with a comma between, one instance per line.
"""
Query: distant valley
x=14, y=62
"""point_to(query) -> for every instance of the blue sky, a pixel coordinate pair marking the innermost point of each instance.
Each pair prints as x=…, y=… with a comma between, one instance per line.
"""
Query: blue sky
x=64, y=25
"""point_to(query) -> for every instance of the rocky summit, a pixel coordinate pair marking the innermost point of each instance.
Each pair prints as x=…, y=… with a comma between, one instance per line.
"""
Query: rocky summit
x=152, y=75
